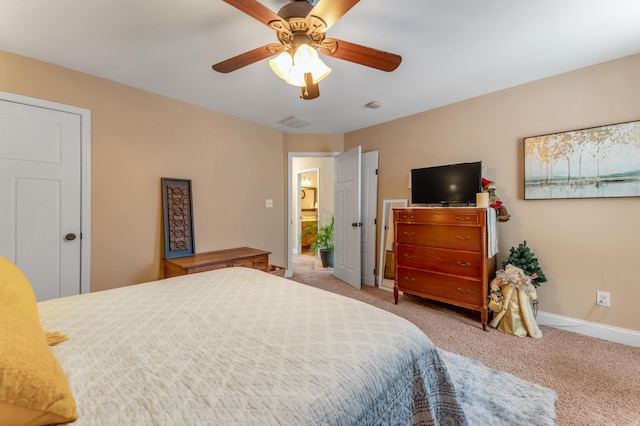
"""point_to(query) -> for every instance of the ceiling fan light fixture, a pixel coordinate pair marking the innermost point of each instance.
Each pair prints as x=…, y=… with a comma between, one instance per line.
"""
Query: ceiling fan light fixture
x=307, y=57
x=281, y=65
x=296, y=76
x=304, y=60
x=319, y=70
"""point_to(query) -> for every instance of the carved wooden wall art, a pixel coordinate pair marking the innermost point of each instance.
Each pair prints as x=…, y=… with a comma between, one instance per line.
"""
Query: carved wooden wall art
x=178, y=218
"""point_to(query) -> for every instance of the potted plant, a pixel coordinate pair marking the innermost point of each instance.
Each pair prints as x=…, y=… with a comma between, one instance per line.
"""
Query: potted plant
x=523, y=258
x=322, y=241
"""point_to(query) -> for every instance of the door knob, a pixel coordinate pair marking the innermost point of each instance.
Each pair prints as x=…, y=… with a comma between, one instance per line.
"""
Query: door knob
x=70, y=236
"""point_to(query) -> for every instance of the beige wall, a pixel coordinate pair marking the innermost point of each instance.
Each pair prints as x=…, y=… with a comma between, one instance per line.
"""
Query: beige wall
x=330, y=142
x=583, y=245
x=139, y=137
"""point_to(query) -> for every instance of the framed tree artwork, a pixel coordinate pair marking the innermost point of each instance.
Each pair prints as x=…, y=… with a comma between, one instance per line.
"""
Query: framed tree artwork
x=178, y=218
x=597, y=162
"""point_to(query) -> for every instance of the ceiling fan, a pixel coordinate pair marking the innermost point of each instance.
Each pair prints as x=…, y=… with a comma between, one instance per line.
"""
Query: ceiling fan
x=301, y=28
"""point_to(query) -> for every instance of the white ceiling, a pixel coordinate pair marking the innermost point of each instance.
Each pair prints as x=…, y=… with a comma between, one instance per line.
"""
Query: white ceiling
x=451, y=49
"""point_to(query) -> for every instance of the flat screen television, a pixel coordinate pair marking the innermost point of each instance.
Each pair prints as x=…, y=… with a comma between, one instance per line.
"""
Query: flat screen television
x=448, y=184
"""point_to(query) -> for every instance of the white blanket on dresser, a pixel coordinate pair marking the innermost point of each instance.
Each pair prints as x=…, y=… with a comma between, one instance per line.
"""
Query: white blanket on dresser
x=239, y=346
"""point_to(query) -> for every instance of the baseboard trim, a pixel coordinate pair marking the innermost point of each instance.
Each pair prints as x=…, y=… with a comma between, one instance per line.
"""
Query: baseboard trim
x=592, y=329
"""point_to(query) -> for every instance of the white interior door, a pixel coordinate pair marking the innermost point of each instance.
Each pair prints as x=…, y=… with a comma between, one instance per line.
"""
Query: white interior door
x=40, y=185
x=369, y=212
x=348, y=224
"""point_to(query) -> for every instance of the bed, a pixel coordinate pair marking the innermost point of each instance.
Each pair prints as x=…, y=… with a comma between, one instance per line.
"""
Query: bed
x=238, y=346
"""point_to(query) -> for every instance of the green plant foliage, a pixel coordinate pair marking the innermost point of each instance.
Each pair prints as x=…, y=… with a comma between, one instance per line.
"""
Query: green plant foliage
x=523, y=258
x=323, y=236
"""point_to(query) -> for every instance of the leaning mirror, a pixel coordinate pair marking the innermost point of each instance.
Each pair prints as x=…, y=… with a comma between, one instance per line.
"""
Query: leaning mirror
x=385, y=269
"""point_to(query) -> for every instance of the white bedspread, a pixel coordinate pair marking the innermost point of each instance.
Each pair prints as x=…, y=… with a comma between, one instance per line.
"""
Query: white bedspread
x=238, y=346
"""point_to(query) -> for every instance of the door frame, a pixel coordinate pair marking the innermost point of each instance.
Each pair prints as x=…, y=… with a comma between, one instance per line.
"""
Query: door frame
x=290, y=178
x=369, y=214
x=85, y=175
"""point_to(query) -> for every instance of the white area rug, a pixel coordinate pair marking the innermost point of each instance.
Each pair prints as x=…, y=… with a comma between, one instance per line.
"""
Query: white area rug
x=491, y=397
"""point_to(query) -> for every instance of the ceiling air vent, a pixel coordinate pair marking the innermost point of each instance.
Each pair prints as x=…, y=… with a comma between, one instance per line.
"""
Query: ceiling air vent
x=295, y=121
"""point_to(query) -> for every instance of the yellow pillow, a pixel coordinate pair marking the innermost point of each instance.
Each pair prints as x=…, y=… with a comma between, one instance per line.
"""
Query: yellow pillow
x=33, y=387
x=16, y=291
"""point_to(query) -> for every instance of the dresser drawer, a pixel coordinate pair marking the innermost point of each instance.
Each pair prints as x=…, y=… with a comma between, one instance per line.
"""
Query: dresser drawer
x=241, y=263
x=450, y=237
x=205, y=268
x=464, y=263
x=443, y=216
x=256, y=263
x=261, y=263
x=441, y=287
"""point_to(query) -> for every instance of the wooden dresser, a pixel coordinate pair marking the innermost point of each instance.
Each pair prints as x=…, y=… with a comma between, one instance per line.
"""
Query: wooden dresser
x=441, y=254
x=201, y=262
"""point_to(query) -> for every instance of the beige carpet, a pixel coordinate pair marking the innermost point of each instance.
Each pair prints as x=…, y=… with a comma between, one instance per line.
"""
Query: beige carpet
x=317, y=266
x=597, y=381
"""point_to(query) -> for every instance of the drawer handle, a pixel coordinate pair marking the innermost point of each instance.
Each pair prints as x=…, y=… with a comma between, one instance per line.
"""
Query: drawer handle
x=463, y=237
x=410, y=279
x=410, y=256
x=462, y=218
x=409, y=234
x=406, y=216
x=464, y=291
x=463, y=264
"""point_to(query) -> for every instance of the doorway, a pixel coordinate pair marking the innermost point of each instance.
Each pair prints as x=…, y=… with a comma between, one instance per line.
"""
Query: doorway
x=298, y=163
x=365, y=252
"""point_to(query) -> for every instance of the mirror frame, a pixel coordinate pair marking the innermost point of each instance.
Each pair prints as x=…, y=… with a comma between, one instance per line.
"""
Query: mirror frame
x=387, y=205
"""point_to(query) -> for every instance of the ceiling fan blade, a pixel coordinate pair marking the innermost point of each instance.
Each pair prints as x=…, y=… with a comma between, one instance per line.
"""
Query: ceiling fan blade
x=362, y=55
x=332, y=10
x=255, y=10
x=248, y=58
x=310, y=90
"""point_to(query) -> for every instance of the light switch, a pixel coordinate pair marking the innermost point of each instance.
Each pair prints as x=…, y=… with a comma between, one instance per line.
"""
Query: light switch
x=268, y=203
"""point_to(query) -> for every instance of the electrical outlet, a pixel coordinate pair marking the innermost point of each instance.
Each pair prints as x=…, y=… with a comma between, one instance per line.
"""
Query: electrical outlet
x=603, y=298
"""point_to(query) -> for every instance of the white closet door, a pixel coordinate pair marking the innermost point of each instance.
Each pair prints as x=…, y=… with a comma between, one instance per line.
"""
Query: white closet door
x=40, y=183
